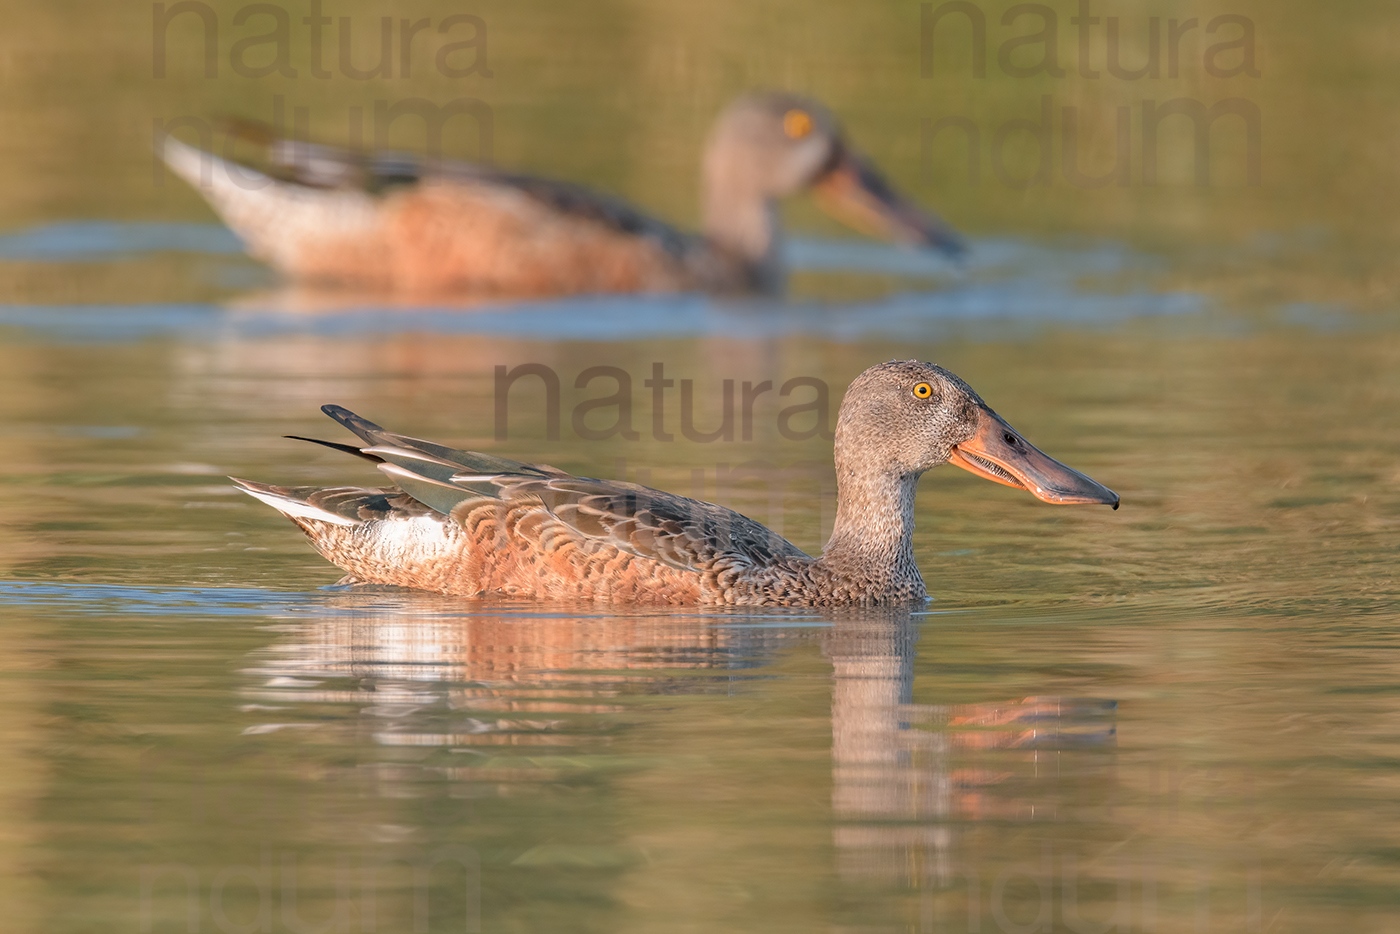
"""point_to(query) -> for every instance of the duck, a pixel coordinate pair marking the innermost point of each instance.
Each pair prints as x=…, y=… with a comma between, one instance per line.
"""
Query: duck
x=398, y=223
x=477, y=525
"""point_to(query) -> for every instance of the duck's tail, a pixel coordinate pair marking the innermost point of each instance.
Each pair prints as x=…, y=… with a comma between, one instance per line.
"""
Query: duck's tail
x=283, y=221
x=375, y=536
x=303, y=504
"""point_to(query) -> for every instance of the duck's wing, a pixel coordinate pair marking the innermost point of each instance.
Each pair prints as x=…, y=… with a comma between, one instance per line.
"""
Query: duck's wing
x=675, y=530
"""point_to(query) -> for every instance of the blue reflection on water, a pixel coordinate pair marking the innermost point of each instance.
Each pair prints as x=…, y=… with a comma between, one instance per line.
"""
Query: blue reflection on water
x=109, y=599
x=157, y=601
x=612, y=317
x=1004, y=282
x=72, y=241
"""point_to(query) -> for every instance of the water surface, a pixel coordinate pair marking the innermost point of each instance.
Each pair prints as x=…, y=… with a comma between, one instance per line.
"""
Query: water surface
x=1177, y=716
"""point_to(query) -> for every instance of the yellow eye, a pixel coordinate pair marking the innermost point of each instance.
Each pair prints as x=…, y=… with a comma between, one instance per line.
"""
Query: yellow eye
x=922, y=390
x=797, y=124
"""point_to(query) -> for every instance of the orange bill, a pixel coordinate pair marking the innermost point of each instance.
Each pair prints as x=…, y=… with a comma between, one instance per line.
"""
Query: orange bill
x=853, y=191
x=997, y=452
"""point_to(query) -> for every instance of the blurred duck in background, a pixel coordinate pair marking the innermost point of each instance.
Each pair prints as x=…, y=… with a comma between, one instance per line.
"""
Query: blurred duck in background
x=398, y=223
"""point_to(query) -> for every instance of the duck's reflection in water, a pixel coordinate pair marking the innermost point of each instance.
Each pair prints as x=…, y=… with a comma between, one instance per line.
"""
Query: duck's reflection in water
x=423, y=675
x=907, y=779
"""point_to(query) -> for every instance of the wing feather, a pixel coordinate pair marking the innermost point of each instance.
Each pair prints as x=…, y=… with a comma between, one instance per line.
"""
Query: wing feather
x=674, y=530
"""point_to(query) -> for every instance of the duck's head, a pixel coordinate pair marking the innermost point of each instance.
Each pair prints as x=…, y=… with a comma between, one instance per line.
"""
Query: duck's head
x=906, y=417
x=767, y=146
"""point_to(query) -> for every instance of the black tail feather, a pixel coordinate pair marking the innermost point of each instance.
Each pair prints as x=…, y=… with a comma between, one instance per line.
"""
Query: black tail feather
x=337, y=446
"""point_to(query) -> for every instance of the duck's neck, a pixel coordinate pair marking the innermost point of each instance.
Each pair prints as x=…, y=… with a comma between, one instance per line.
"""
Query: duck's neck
x=873, y=538
x=744, y=225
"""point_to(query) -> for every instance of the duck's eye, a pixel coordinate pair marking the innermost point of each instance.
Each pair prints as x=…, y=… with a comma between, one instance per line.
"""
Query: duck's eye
x=922, y=390
x=797, y=124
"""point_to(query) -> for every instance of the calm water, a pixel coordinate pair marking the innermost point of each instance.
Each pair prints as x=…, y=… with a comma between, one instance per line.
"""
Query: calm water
x=1180, y=716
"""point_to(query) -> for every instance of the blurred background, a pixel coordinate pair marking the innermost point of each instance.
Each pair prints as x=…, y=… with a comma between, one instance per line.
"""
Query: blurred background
x=1181, y=716
x=620, y=96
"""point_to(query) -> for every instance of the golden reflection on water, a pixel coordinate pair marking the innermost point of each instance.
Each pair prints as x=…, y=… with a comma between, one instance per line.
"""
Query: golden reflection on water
x=517, y=700
x=509, y=705
x=651, y=772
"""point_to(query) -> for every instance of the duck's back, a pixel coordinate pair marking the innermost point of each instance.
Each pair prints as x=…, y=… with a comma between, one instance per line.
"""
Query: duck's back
x=461, y=522
x=396, y=223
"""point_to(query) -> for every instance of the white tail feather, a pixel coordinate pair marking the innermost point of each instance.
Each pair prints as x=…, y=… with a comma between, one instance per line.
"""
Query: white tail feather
x=297, y=508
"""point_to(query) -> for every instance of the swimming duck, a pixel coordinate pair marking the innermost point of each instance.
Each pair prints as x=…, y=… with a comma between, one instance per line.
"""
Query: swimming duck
x=400, y=223
x=459, y=522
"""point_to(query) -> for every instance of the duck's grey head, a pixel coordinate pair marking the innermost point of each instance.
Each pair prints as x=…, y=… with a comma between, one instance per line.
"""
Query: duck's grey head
x=769, y=145
x=905, y=417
